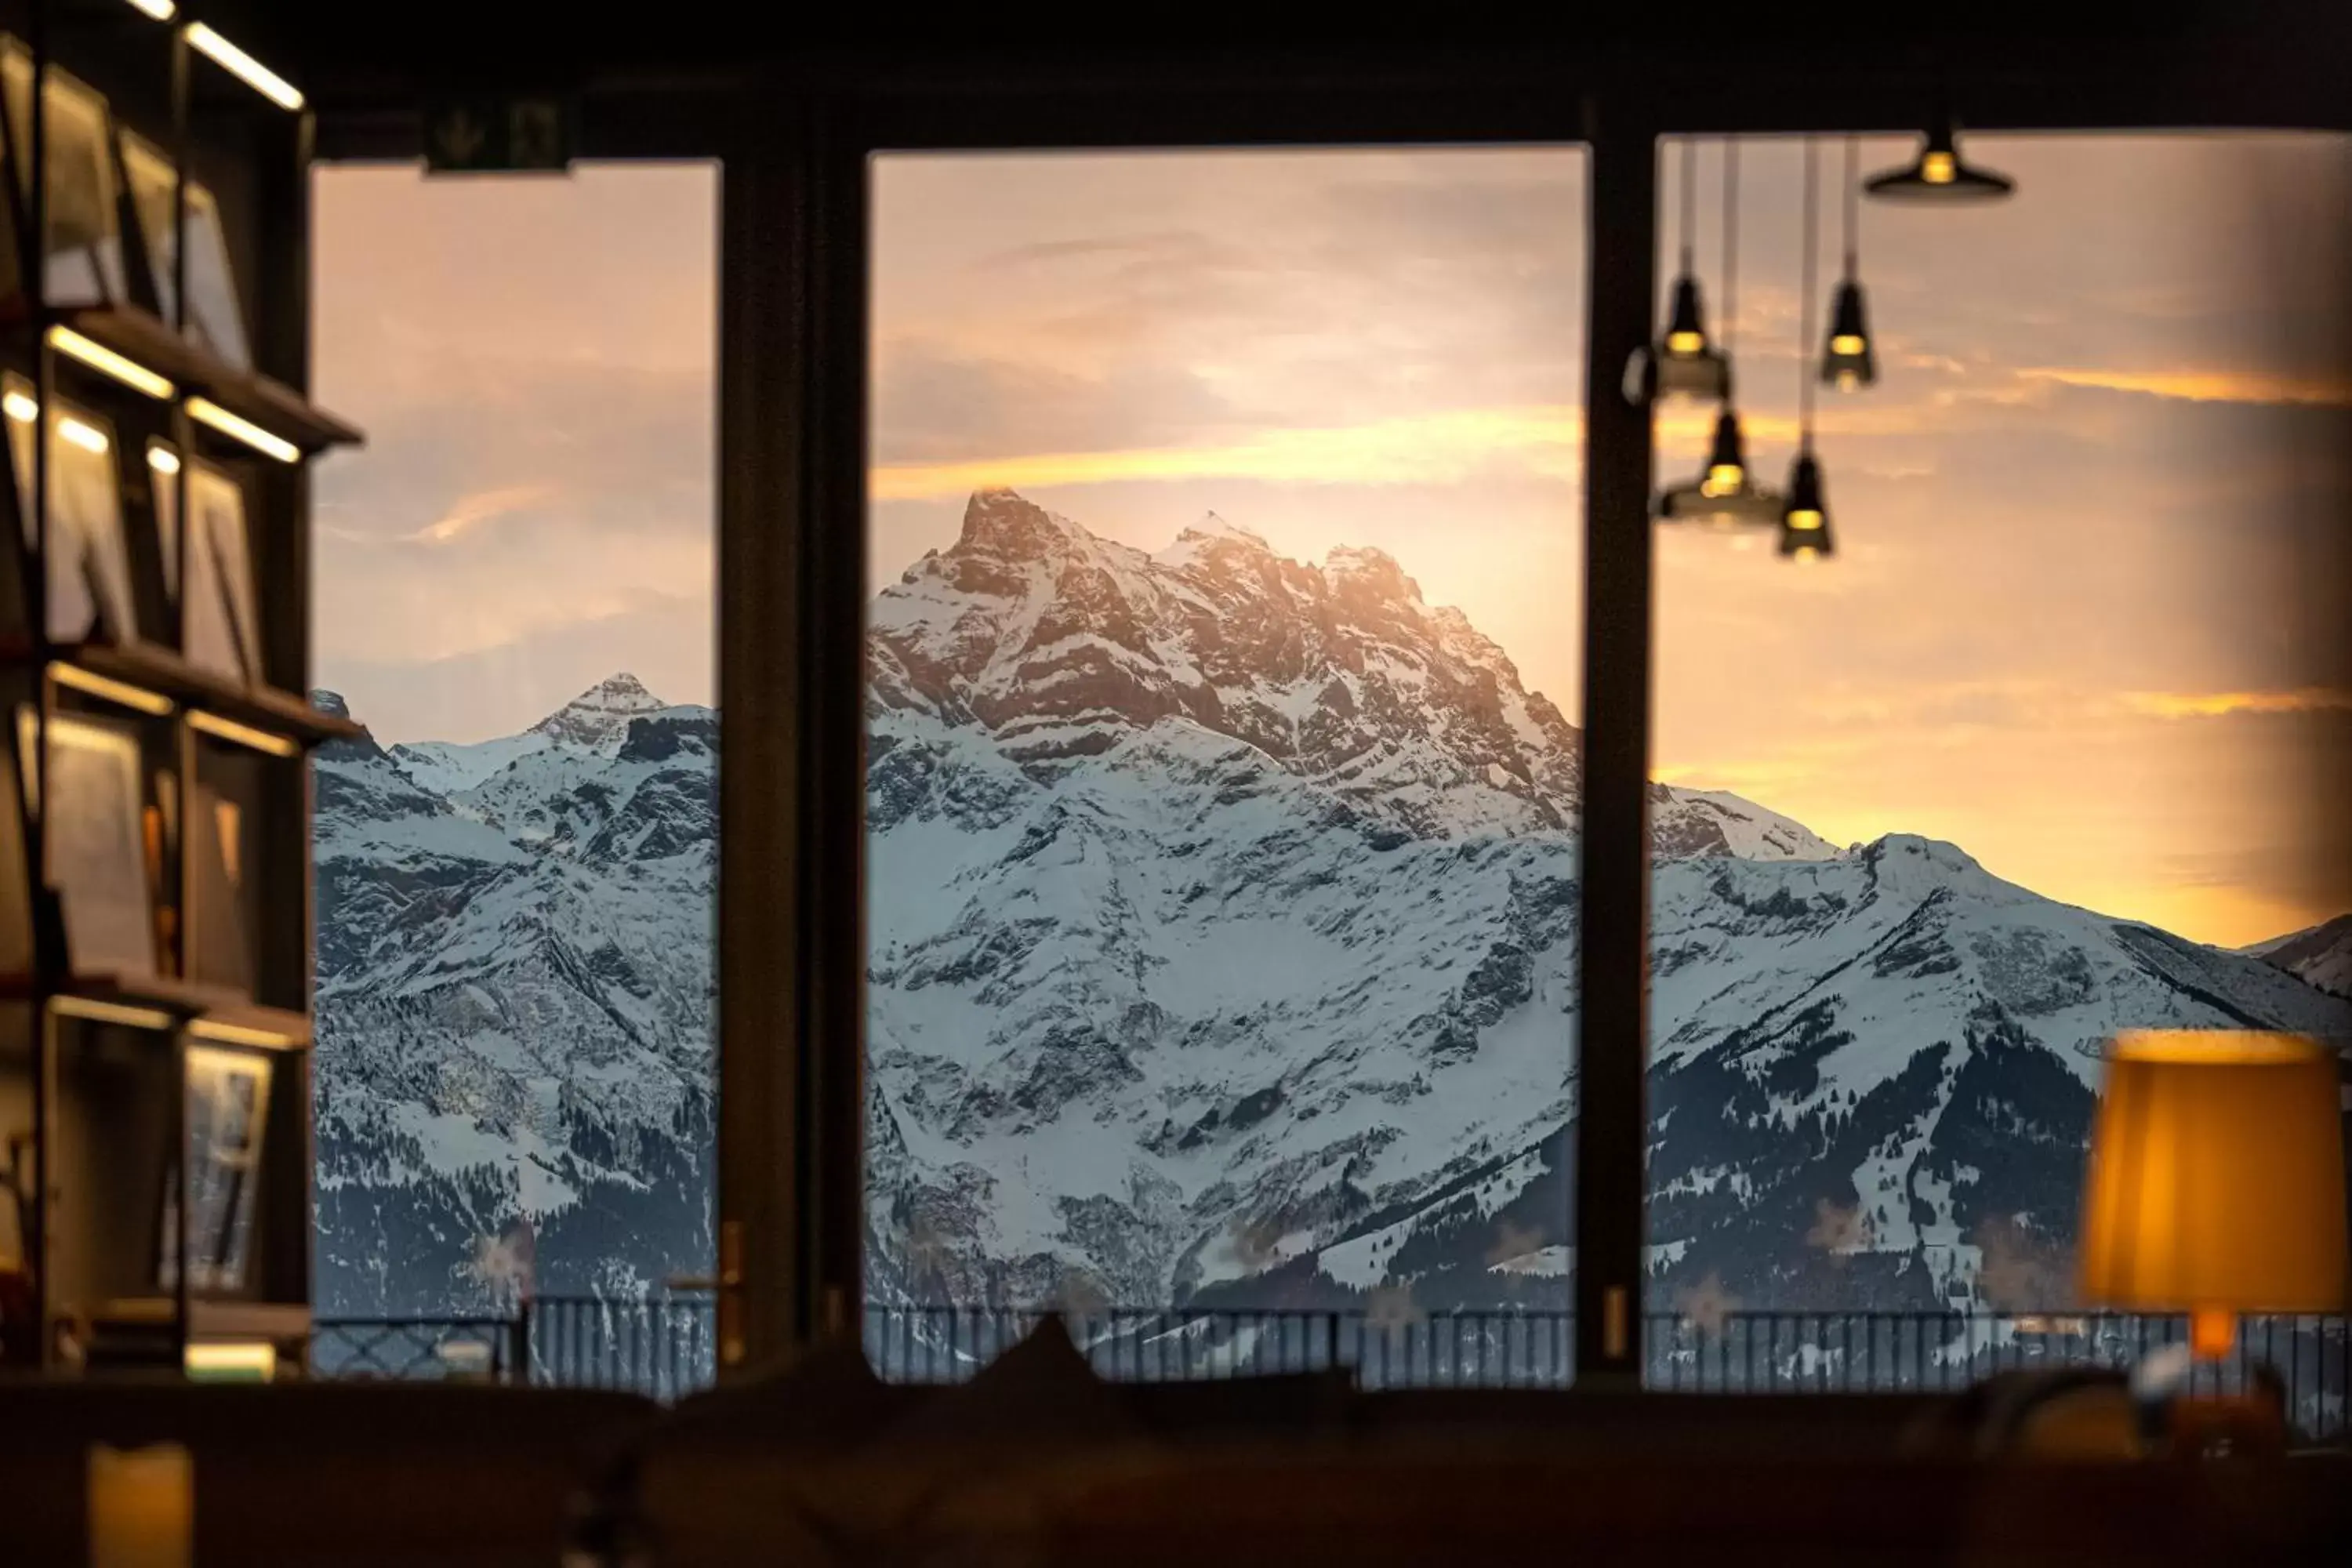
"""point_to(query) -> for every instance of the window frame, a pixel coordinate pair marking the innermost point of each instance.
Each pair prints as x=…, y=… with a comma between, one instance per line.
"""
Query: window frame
x=793, y=136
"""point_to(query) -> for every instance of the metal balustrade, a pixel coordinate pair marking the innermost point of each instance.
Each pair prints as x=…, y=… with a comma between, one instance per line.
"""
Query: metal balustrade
x=664, y=1346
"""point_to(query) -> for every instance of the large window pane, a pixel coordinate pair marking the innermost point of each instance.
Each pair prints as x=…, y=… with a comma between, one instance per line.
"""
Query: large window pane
x=2058, y=713
x=515, y=874
x=1223, y=775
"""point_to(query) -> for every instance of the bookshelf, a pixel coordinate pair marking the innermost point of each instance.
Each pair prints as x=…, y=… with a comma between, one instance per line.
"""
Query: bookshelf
x=155, y=944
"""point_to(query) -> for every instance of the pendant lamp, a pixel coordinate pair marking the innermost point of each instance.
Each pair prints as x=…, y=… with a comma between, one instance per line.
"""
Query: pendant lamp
x=1805, y=513
x=1938, y=175
x=1725, y=494
x=1849, y=361
x=1683, y=363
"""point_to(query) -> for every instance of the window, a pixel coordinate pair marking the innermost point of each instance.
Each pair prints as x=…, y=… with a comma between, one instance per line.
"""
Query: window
x=514, y=876
x=2047, y=719
x=1223, y=768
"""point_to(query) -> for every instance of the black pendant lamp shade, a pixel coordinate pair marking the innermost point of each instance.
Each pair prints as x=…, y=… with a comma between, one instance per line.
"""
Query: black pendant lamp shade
x=1805, y=514
x=1724, y=495
x=1938, y=175
x=1685, y=363
x=1848, y=361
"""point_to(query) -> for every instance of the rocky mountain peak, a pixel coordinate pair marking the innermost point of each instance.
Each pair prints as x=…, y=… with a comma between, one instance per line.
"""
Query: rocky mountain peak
x=599, y=716
x=1362, y=571
x=1035, y=638
x=1005, y=523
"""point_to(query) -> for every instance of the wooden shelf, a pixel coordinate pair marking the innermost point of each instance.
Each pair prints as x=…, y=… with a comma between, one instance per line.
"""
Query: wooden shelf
x=211, y=1317
x=170, y=674
x=275, y=408
x=234, y=1017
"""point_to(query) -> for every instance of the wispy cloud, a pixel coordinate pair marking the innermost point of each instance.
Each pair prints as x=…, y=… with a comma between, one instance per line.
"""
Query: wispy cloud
x=470, y=511
x=1422, y=448
x=2202, y=385
x=2225, y=704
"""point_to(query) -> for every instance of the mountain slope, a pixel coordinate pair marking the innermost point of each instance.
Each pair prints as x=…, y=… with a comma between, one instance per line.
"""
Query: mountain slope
x=1223, y=917
x=2321, y=956
x=514, y=1005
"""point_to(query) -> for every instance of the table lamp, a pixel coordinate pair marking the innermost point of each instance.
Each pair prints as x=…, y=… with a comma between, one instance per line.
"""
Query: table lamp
x=2216, y=1182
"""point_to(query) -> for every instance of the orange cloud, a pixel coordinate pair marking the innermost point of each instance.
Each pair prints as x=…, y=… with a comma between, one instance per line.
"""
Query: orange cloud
x=2221, y=704
x=1444, y=447
x=1439, y=447
x=469, y=512
x=2202, y=385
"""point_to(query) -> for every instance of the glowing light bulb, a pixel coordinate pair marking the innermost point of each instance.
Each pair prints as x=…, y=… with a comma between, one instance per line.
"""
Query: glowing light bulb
x=1722, y=479
x=1938, y=168
x=1804, y=522
x=1685, y=342
x=1847, y=344
x=20, y=408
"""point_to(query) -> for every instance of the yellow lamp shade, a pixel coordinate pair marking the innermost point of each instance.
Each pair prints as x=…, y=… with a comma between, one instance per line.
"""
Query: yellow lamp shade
x=2216, y=1176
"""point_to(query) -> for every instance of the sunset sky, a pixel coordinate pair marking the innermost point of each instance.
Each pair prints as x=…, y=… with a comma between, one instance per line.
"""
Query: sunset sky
x=2064, y=631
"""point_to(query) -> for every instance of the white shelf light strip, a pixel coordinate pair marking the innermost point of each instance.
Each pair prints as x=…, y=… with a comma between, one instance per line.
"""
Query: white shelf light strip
x=117, y=691
x=162, y=10
x=97, y=1012
x=206, y=411
x=245, y=735
x=227, y=1034
x=98, y=356
x=244, y=67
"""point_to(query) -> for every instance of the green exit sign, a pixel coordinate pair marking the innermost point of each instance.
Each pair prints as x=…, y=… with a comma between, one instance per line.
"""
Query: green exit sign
x=479, y=135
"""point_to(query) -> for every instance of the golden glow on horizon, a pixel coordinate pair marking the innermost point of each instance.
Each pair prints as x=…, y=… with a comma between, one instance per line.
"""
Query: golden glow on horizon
x=2201, y=385
x=2221, y=704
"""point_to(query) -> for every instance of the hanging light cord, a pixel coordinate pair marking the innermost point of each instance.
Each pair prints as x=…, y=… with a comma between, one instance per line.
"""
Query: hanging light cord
x=1853, y=203
x=1731, y=242
x=1690, y=199
x=1805, y=307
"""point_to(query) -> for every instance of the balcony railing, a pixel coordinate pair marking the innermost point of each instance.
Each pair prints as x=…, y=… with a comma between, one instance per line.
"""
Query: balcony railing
x=663, y=1346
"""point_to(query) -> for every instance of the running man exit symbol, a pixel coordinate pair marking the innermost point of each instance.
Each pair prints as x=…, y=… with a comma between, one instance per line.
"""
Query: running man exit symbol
x=484, y=134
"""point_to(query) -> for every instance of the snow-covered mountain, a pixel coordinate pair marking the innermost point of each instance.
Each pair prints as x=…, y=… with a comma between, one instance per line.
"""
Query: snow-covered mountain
x=1222, y=937
x=2321, y=956
x=515, y=1006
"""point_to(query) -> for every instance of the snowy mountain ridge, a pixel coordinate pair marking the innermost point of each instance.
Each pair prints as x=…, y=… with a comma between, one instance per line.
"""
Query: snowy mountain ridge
x=1223, y=917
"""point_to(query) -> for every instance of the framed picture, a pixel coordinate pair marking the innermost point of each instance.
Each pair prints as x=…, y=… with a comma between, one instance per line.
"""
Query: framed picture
x=97, y=839
x=214, y=315
x=227, y=1117
x=89, y=562
x=164, y=487
x=16, y=949
x=218, y=952
x=83, y=249
x=218, y=623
